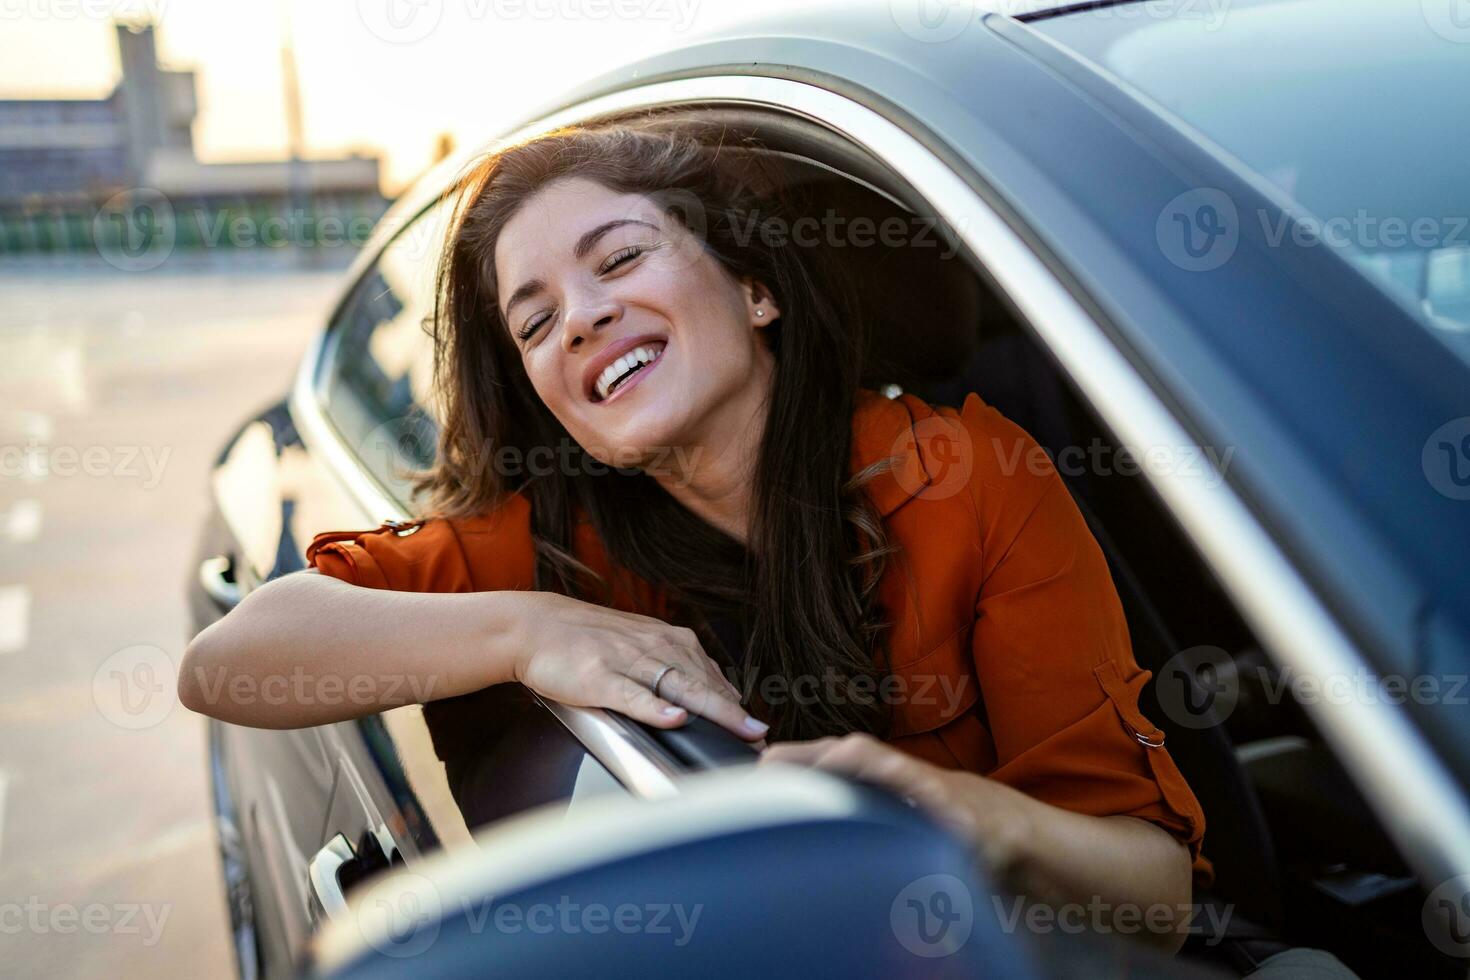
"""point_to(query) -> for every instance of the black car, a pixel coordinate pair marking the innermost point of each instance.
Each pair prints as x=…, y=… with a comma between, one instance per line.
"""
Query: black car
x=1138, y=233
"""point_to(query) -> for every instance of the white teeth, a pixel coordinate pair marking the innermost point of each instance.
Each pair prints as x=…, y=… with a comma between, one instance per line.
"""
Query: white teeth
x=624, y=364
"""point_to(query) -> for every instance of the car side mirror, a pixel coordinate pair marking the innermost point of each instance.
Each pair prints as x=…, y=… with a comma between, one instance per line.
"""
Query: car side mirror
x=751, y=871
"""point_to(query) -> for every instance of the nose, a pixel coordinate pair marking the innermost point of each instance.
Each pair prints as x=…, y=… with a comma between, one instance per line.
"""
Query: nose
x=586, y=318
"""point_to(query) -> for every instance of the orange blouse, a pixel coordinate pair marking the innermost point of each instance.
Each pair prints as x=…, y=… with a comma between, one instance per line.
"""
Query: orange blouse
x=1009, y=651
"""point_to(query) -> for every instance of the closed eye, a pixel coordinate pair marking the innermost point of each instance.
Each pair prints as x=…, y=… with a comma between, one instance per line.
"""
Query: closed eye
x=618, y=258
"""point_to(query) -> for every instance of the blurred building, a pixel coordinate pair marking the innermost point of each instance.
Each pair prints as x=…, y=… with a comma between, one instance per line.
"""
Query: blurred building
x=62, y=159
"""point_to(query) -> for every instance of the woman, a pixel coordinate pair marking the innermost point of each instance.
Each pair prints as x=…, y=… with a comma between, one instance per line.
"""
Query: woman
x=897, y=597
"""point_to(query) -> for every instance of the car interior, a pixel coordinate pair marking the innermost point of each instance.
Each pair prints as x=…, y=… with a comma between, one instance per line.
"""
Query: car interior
x=1299, y=857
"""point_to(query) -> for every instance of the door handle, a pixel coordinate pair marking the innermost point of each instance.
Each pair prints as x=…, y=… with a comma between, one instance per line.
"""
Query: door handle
x=223, y=591
x=324, y=874
x=338, y=866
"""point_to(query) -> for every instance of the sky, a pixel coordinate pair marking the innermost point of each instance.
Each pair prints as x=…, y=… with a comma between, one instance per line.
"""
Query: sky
x=384, y=76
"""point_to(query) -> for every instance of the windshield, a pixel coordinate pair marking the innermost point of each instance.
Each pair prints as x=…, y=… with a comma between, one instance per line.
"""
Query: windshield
x=1358, y=110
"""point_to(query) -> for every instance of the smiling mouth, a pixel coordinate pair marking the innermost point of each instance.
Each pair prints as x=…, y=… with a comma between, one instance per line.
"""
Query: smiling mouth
x=625, y=368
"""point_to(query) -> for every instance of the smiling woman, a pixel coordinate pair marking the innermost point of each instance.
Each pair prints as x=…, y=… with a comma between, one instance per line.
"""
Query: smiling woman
x=604, y=290
x=898, y=600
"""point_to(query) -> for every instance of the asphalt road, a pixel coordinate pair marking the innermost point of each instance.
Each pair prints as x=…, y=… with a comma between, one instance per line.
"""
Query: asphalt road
x=116, y=392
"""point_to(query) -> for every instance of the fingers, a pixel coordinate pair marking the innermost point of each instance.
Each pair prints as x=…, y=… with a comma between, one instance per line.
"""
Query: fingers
x=687, y=684
x=641, y=704
x=715, y=704
x=858, y=756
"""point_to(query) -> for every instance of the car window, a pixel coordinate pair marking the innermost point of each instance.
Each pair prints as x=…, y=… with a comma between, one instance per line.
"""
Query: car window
x=378, y=363
x=1371, y=148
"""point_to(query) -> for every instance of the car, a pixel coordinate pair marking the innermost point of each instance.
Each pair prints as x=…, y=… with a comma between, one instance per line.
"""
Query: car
x=1213, y=260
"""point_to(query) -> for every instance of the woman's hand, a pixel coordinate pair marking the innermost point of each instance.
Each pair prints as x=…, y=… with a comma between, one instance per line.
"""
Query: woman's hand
x=584, y=654
x=977, y=809
x=1126, y=866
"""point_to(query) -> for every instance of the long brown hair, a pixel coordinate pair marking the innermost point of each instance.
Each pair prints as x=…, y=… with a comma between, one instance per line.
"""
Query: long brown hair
x=806, y=584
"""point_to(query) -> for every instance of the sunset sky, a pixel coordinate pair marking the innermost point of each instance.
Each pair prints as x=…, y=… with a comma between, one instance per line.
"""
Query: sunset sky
x=376, y=75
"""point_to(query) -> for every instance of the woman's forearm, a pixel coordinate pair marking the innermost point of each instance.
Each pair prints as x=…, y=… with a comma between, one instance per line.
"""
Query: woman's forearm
x=308, y=649
x=1118, y=874
x=1109, y=874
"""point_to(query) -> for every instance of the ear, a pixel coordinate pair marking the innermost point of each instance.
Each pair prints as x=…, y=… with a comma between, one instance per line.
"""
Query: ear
x=760, y=304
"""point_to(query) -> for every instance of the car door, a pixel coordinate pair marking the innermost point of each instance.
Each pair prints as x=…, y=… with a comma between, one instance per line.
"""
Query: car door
x=305, y=813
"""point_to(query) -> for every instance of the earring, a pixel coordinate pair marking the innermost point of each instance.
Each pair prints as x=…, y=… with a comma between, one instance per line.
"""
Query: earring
x=760, y=312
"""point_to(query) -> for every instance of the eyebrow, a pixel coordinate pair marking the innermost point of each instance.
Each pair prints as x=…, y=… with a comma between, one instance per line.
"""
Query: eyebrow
x=584, y=245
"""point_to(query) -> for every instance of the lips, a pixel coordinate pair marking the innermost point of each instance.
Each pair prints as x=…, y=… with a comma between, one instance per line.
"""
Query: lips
x=611, y=353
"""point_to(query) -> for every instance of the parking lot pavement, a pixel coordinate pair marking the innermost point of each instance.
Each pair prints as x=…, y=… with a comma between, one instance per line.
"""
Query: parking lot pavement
x=118, y=390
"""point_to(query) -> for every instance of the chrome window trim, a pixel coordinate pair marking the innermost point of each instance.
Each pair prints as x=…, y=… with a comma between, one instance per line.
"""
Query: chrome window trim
x=1421, y=805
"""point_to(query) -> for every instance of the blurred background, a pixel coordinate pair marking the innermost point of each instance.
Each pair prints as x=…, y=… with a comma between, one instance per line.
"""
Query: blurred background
x=182, y=185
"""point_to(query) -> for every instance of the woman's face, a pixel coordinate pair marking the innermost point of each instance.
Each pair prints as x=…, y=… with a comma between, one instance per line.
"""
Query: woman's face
x=591, y=284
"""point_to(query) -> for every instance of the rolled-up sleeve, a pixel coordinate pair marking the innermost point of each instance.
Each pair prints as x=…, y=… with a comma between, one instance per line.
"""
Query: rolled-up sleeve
x=422, y=557
x=1052, y=651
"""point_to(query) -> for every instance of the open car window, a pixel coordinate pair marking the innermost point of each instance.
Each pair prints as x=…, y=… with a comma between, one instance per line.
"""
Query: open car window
x=378, y=365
